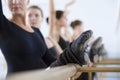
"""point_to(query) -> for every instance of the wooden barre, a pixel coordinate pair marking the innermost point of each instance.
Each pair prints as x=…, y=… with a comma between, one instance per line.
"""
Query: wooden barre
x=100, y=69
x=97, y=69
x=59, y=73
x=112, y=59
x=111, y=76
x=108, y=63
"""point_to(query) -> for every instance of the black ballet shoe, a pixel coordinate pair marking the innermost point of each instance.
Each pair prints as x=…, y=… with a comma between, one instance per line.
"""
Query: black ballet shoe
x=75, y=52
x=102, y=51
x=94, y=48
x=79, y=45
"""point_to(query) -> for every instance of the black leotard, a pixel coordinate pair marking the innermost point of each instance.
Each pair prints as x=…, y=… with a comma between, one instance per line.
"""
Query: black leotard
x=52, y=50
x=22, y=50
x=63, y=44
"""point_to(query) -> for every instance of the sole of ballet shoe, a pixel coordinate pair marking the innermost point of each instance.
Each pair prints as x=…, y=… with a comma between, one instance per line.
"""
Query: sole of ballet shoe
x=83, y=42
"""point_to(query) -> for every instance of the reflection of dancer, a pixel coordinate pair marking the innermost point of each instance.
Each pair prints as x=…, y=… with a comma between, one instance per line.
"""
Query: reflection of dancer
x=57, y=22
x=25, y=49
x=34, y=18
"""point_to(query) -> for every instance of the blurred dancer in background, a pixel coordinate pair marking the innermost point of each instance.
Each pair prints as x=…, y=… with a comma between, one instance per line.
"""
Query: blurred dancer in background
x=58, y=22
x=34, y=18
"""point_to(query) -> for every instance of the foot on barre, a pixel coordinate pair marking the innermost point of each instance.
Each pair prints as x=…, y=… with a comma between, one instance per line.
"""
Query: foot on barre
x=102, y=53
x=75, y=53
x=94, y=48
